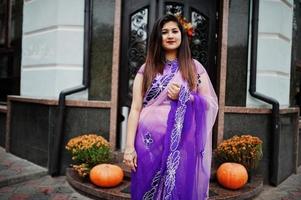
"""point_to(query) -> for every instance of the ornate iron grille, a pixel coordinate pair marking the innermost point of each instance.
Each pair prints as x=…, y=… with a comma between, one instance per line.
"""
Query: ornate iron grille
x=199, y=42
x=174, y=8
x=137, y=46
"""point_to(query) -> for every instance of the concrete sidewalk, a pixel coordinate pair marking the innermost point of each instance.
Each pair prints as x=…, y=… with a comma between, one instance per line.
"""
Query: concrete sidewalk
x=23, y=180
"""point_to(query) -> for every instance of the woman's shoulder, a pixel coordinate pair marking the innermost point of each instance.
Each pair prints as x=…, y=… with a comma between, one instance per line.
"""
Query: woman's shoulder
x=141, y=69
x=198, y=66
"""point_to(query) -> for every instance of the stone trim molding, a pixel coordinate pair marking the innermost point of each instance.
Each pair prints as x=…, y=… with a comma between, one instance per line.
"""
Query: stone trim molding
x=234, y=109
x=54, y=102
x=3, y=109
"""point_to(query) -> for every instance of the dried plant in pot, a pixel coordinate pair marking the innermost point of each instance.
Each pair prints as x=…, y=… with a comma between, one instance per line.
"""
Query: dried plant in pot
x=244, y=149
x=87, y=151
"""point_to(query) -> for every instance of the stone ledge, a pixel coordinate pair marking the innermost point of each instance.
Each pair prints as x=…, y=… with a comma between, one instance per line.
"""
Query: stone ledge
x=251, y=110
x=249, y=191
x=85, y=187
x=3, y=108
x=55, y=102
x=122, y=192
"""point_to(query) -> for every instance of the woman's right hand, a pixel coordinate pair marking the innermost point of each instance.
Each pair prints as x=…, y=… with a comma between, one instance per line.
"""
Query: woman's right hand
x=130, y=158
x=173, y=91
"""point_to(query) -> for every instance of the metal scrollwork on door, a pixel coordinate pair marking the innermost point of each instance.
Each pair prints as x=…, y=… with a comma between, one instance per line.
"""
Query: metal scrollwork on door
x=137, y=45
x=199, y=42
x=174, y=8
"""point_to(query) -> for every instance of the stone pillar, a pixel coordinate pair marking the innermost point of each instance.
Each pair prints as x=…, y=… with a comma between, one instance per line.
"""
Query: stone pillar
x=52, y=47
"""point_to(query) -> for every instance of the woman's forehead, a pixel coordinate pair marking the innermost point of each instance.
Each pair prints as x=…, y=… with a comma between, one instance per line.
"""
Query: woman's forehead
x=170, y=25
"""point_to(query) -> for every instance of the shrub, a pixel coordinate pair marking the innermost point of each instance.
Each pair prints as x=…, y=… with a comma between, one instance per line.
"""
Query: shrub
x=244, y=149
x=87, y=151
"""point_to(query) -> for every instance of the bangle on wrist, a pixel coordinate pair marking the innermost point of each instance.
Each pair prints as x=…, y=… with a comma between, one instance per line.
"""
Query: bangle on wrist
x=129, y=150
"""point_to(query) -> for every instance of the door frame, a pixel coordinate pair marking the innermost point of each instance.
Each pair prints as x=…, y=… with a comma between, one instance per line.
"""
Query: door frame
x=221, y=70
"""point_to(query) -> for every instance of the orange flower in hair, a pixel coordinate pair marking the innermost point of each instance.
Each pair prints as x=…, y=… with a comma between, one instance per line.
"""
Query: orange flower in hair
x=186, y=25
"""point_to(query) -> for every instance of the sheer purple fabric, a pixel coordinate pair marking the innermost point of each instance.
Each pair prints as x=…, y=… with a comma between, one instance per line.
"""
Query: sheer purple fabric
x=173, y=139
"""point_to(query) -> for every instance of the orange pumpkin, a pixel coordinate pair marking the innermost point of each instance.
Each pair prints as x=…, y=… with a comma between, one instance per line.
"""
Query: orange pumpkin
x=232, y=175
x=106, y=175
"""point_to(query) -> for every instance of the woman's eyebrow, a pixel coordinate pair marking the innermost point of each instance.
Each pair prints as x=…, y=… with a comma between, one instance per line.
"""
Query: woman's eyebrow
x=166, y=29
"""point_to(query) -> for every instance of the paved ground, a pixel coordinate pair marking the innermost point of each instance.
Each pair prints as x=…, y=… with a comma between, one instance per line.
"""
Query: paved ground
x=290, y=189
x=22, y=180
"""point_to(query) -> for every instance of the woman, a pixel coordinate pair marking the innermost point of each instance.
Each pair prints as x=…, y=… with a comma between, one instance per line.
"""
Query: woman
x=169, y=127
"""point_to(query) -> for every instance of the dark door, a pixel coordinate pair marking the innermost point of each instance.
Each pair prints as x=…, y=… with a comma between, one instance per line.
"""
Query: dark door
x=138, y=17
x=10, y=47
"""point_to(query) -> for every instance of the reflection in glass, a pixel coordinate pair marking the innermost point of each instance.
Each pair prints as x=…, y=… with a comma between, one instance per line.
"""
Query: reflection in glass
x=174, y=8
x=3, y=15
x=137, y=46
x=10, y=58
x=16, y=24
x=237, y=53
x=101, y=50
x=3, y=66
x=199, y=42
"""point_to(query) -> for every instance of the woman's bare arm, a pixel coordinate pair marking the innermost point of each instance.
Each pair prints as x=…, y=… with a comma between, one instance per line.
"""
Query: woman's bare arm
x=130, y=156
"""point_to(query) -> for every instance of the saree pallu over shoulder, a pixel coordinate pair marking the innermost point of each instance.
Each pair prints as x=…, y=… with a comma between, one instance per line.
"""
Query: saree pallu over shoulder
x=159, y=84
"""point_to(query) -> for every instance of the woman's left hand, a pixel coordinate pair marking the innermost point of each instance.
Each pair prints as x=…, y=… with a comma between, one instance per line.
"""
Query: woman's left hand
x=130, y=158
x=173, y=91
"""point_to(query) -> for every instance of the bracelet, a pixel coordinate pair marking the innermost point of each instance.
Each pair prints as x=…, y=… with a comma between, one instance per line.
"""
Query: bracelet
x=128, y=152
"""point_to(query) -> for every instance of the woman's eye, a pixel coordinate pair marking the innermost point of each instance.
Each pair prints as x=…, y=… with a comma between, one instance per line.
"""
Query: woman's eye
x=164, y=32
x=175, y=31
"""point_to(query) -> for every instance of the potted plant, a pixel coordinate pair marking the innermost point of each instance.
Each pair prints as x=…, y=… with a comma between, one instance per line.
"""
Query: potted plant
x=245, y=150
x=87, y=151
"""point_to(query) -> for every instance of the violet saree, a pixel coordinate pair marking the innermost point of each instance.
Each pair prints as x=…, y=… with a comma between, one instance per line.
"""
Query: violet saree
x=173, y=139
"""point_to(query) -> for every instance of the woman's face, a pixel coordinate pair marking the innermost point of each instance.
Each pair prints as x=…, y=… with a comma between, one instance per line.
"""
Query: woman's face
x=171, y=36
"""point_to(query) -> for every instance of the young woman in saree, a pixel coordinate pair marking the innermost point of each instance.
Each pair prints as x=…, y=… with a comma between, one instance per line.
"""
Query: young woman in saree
x=173, y=110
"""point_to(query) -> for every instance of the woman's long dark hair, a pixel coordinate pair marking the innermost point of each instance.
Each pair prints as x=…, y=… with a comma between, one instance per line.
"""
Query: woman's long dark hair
x=156, y=56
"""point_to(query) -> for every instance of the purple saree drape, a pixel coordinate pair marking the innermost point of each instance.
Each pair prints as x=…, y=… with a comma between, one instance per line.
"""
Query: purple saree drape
x=173, y=139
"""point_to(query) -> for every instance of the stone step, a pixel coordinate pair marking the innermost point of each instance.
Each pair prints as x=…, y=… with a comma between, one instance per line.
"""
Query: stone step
x=126, y=169
x=15, y=170
x=14, y=179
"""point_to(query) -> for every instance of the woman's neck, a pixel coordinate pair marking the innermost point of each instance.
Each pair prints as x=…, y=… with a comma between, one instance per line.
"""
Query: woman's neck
x=170, y=55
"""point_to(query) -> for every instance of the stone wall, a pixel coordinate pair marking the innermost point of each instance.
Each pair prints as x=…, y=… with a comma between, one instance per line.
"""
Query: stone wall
x=260, y=125
x=32, y=126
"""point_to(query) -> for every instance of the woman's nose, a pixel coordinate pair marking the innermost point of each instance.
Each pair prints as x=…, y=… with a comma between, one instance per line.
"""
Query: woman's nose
x=170, y=35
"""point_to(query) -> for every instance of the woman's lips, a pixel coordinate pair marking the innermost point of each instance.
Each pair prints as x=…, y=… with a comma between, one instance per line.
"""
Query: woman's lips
x=170, y=42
